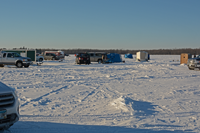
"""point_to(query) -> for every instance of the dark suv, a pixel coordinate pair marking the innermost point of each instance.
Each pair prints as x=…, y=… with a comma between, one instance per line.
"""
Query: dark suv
x=82, y=58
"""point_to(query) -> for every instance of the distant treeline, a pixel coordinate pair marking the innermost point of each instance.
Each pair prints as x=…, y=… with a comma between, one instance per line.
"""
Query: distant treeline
x=120, y=51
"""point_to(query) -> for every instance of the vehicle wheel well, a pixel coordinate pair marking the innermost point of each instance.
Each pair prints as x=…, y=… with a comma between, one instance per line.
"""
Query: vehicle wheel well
x=18, y=65
x=18, y=61
x=191, y=68
x=99, y=60
x=41, y=59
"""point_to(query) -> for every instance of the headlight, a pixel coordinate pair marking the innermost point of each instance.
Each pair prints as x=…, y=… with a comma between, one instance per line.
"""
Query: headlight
x=24, y=59
x=15, y=93
x=192, y=61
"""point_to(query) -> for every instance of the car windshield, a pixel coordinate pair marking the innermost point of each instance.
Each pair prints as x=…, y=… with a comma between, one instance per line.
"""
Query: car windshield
x=83, y=55
x=16, y=55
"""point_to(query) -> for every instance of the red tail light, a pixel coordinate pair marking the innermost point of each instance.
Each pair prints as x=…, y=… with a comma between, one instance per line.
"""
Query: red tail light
x=80, y=58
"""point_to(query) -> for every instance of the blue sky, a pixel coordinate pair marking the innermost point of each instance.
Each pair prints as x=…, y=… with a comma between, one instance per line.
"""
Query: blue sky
x=100, y=24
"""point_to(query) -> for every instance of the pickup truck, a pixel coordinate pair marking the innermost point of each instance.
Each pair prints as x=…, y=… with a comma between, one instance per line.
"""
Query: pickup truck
x=12, y=58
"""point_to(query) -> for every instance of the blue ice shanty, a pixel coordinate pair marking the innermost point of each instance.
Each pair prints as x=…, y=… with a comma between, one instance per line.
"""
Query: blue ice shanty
x=128, y=56
x=113, y=57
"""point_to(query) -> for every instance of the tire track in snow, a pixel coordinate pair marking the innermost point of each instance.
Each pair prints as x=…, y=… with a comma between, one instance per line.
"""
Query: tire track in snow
x=98, y=99
x=91, y=93
x=47, y=94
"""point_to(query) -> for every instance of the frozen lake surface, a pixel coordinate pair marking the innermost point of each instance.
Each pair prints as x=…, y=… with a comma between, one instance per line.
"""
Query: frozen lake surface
x=61, y=97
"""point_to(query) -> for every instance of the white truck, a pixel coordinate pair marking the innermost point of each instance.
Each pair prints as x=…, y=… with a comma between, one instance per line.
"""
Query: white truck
x=9, y=106
x=13, y=58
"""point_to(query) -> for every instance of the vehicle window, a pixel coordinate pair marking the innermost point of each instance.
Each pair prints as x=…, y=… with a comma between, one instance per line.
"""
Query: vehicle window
x=9, y=55
x=4, y=55
x=97, y=54
x=91, y=54
x=47, y=53
x=16, y=55
x=84, y=55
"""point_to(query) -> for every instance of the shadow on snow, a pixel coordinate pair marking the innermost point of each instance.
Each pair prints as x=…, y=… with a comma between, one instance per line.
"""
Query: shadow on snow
x=141, y=108
x=48, y=127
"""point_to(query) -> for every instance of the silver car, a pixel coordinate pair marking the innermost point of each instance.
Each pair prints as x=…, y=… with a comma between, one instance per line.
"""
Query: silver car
x=9, y=106
x=96, y=56
x=193, y=63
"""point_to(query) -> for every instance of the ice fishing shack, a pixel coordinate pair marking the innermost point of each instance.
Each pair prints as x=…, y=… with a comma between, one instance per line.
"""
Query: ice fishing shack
x=142, y=56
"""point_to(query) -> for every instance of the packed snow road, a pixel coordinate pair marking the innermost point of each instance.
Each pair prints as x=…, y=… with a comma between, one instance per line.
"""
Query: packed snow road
x=156, y=96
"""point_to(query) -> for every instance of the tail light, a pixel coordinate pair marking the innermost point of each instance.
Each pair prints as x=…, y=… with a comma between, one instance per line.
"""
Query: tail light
x=79, y=58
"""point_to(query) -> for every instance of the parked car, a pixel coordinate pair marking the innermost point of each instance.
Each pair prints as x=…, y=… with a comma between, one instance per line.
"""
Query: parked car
x=82, y=58
x=12, y=58
x=193, y=63
x=39, y=58
x=96, y=56
x=50, y=56
x=9, y=106
x=59, y=54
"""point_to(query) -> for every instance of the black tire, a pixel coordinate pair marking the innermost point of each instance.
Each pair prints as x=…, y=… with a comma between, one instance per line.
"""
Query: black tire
x=2, y=65
x=26, y=66
x=191, y=68
x=99, y=61
x=40, y=60
x=19, y=64
x=6, y=128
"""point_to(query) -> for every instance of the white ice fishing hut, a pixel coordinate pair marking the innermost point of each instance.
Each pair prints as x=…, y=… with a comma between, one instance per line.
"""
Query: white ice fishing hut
x=141, y=56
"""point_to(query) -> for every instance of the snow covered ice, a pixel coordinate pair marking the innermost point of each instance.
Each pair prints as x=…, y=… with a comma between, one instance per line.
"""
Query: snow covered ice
x=61, y=97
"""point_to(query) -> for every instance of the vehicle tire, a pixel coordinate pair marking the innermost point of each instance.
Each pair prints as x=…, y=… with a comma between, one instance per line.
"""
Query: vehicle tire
x=26, y=66
x=191, y=68
x=19, y=64
x=7, y=127
x=2, y=65
x=40, y=60
x=99, y=61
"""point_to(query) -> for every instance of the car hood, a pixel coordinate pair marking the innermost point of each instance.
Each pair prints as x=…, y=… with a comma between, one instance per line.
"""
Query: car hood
x=4, y=88
x=24, y=57
x=193, y=58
